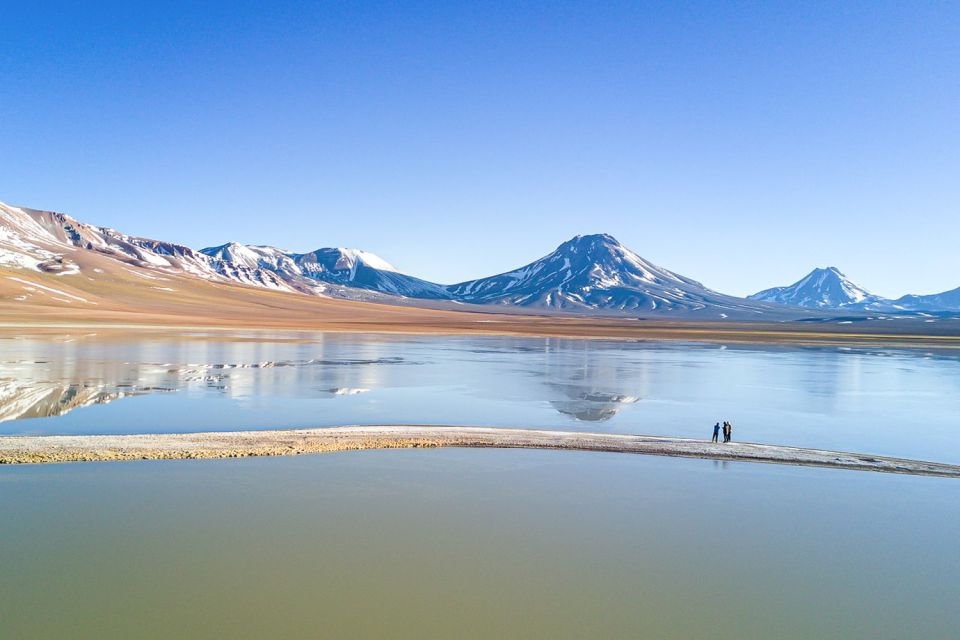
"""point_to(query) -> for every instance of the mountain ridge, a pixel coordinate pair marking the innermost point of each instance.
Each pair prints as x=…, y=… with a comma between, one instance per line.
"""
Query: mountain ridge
x=829, y=289
x=592, y=274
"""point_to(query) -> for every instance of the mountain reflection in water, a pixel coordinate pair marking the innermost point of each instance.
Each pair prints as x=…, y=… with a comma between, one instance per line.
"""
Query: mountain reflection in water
x=827, y=398
x=577, y=382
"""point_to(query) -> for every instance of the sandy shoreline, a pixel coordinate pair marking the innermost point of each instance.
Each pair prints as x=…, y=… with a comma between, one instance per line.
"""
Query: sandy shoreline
x=81, y=448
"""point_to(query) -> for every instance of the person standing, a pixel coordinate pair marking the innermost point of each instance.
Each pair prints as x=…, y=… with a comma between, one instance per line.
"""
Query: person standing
x=726, y=432
x=729, y=434
x=716, y=431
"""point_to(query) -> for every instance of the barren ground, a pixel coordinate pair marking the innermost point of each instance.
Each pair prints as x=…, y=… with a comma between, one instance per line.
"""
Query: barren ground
x=119, y=299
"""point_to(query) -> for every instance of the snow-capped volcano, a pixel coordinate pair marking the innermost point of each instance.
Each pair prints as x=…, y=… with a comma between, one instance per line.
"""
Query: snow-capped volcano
x=596, y=272
x=826, y=288
x=830, y=289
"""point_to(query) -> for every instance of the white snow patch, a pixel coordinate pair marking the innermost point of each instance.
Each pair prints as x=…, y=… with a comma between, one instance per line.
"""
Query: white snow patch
x=369, y=259
x=70, y=270
x=142, y=275
x=35, y=286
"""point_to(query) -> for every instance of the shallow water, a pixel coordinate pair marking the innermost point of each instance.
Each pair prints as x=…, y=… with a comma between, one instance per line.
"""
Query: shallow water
x=478, y=543
x=475, y=544
x=902, y=403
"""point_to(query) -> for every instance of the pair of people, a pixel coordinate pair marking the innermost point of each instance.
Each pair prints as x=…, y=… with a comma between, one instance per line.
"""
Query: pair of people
x=727, y=431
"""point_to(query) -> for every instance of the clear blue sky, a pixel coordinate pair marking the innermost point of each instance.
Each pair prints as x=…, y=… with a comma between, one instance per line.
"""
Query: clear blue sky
x=741, y=143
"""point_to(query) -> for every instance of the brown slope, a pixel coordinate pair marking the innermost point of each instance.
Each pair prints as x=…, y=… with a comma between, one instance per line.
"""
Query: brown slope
x=108, y=293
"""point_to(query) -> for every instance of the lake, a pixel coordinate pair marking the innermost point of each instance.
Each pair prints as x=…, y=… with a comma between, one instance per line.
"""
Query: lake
x=478, y=543
x=900, y=403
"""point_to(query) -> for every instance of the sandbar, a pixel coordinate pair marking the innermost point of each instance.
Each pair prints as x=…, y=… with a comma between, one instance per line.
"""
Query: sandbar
x=237, y=444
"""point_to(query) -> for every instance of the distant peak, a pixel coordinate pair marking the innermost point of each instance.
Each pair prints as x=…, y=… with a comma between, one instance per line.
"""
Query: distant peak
x=824, y=287
x=594, y=237
x=591, y=242
x=223, y=248
x=367, y=258
x=214, y=248
x=825, y=272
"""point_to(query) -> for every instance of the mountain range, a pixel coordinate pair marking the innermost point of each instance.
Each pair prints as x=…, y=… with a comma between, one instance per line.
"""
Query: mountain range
x=595, y=272
x=829, y=289
x=589, y=274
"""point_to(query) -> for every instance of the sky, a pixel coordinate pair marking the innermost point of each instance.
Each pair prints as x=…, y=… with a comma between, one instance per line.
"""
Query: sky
x=738, y=143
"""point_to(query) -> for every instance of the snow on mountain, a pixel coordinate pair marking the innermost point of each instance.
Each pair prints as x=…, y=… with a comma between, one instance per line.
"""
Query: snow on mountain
x=946, y=301
x=25, y=244
x=825, y=288
x=355, y=268
x=49, y=241
x=597, y=272
x=59, y=236
x=251, y=257
x=253, y=265
x=328, y=271
x=830, y=289
x=364, y=257
x=142, y=252
x=587, y=273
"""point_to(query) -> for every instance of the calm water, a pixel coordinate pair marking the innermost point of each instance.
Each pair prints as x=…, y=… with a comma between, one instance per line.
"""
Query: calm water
x=475, y=544
x=478, y=543
x=896, y=403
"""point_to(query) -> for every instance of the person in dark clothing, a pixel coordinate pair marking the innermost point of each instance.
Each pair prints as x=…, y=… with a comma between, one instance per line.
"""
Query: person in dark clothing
x=725, y=440
x=716, y=431
x=727, y=432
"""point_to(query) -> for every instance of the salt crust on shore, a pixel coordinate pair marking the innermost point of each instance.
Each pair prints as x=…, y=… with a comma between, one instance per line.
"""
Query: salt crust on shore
x=78, y=448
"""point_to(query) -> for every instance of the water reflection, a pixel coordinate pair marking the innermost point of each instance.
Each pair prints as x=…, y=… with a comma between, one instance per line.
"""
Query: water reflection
x=593, y=406
x=579, y=380
x=45, y=388
x=37, y=400
x=592, y=384
x=860, y=400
